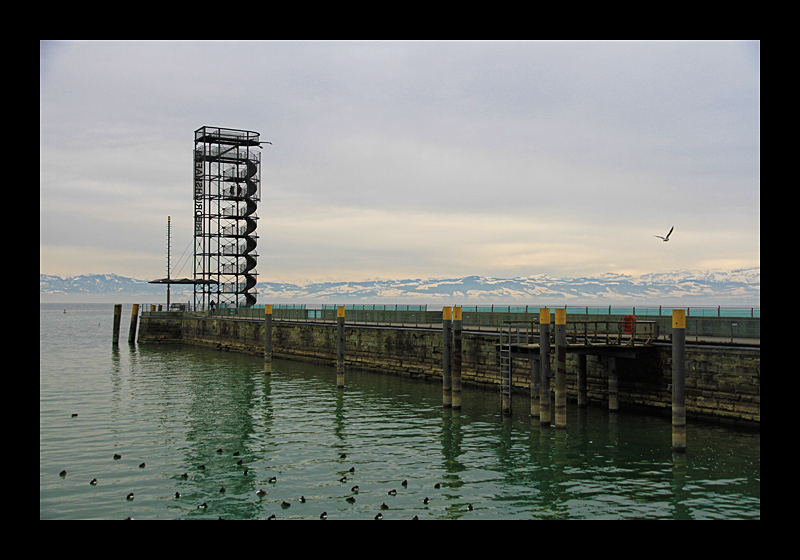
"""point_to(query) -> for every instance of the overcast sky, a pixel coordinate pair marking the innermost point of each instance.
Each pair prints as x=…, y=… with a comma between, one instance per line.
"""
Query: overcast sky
x=409, y=159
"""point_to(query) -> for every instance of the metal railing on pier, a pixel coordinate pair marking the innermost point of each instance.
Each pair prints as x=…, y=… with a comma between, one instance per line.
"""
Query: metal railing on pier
x=622, y=332
x=720, y=323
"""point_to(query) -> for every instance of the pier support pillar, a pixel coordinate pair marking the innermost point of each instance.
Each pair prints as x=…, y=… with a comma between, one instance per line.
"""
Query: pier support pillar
x=457, y=327
x=561, y=369
x=447, y=357
x=613, y=385
x=132, y=328
x=340, y=346
x=536, y=379
x=117, y=321
x=679, y=380
x=268, y=339
x=544, y=366
x=582, y=399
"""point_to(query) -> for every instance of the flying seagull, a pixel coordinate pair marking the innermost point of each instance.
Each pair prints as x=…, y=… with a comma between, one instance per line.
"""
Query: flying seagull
x=667, y=237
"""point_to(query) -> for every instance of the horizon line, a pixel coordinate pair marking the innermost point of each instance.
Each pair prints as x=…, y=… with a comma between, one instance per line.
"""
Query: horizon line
x=396, y=279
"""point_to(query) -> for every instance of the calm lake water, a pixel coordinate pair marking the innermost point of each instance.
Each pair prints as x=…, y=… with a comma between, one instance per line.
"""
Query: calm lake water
x=174, y=409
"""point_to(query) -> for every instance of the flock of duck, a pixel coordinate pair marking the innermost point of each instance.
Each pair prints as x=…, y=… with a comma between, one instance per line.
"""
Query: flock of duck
x=261, y=493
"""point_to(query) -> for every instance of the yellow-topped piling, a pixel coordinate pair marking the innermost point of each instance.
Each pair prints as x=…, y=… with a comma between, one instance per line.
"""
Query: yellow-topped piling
x=679, y=380
x=544, y=366
x=340, y=346
x=544, y=316
x=456, y=388
x=268, y=338
x=678, y=318
x=561, y=369
x=447, y=357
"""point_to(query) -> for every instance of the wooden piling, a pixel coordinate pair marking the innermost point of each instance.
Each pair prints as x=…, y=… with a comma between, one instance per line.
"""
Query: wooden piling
x=679, y=380
x=561, y=368
x=267, y=338
x=340, y=346
x=132, y=328
x=117, y=321
x=447, y=357
x=582, y=395
x=544, y=366
x=536, y=378
x=457, y=327
x=613, y=385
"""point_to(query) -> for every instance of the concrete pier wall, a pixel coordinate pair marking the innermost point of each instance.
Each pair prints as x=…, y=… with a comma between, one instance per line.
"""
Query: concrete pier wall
x=722, y=382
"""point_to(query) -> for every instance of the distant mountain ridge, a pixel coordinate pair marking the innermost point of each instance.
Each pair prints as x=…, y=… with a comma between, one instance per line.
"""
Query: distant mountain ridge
x=731, y=287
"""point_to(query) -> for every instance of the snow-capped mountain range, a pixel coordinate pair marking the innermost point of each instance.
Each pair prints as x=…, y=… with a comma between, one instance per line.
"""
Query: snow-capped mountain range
x=732, y=287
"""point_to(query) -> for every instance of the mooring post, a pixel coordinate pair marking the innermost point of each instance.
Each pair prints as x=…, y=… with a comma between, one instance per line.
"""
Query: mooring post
x=561, y=368
x=132, y=328
x=536, y=378
x=613, y=385
x=340, y=346
x=544, y=366
x=117, y=321
x=447, y=357
x=457, y=327
x=582, y=400
x=267, y=338
x=679, y=380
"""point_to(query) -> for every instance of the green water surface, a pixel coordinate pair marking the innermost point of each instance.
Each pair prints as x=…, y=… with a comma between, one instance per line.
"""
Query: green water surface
x=175, y=408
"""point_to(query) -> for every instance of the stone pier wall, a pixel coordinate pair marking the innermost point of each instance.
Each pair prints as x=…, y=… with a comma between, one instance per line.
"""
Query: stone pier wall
x=722, y=383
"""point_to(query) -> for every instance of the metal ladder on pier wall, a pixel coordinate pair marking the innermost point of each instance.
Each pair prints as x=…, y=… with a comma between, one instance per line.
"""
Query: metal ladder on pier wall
x=511, y=334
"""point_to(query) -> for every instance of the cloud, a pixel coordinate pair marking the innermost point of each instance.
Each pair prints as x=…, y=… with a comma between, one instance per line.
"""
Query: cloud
x=411, y=158
x=71, y=260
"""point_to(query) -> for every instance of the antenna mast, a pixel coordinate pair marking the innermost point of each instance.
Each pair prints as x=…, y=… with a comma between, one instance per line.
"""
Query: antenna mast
x=169, y=249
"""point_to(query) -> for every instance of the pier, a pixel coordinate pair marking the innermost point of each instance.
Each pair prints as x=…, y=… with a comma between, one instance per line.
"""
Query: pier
x=532, y=341
x=615, y=362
